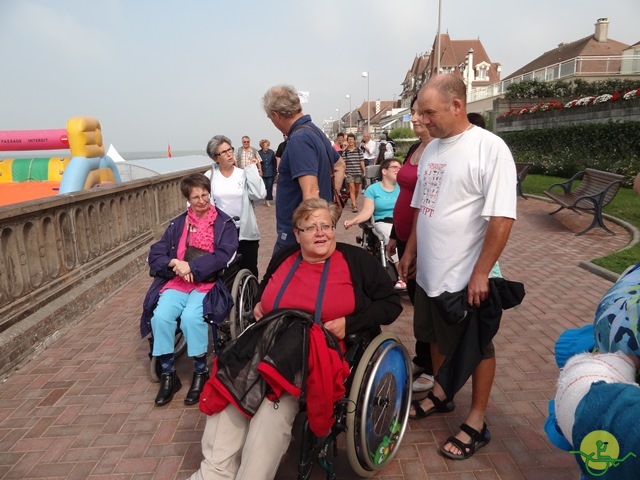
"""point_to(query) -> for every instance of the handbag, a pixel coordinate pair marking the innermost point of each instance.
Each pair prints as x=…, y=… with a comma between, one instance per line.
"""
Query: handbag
x=221, y=302
x=193, y=252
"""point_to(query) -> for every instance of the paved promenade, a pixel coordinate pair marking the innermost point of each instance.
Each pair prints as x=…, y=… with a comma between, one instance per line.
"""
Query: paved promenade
x=84, y=408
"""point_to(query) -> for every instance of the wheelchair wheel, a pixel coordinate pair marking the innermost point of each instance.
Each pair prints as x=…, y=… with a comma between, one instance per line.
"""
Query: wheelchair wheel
x=180, y=346
x=243, y=291
x=381, y=394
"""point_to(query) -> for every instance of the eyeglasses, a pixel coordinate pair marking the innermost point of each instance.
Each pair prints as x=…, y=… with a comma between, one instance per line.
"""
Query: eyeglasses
x=228, y=150
x=313, y=229
x=204, y=198
x=393, y=167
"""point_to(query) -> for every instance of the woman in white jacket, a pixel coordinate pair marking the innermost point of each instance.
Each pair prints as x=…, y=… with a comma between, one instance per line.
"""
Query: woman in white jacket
x=233, y=190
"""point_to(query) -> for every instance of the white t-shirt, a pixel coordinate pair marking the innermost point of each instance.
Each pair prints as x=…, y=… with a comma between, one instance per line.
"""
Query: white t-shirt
x=462, y=182
x=226, y=193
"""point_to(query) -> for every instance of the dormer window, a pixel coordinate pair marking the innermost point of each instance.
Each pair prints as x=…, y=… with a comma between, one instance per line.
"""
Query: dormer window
x=482, y=71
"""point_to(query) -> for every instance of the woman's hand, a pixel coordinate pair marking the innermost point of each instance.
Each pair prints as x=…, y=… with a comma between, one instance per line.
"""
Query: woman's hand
x=391, y=247
x=258, y=313
x=338, y=327
x=181, y=268
x=349, y=223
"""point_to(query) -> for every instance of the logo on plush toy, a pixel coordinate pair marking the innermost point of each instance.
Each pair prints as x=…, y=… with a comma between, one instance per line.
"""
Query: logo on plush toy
x=600, y=451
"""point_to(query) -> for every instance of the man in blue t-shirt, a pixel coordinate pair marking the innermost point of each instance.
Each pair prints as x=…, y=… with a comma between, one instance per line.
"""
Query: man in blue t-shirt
x=307, y=162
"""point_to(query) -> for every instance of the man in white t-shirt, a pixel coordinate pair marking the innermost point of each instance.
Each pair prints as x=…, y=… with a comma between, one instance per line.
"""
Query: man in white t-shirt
x=465, y=201
x=369, y=149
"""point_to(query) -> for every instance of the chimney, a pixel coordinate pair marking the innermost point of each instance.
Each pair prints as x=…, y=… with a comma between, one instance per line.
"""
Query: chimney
x=602, y=29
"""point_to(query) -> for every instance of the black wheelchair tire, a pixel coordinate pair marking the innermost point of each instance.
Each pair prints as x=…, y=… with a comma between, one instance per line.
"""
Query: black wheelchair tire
x=359, y=396
x=243, y=292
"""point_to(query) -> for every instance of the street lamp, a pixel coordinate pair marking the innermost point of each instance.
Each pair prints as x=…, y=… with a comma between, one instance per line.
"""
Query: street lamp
x=338, y=117
x=366, y=75
x=348, y=97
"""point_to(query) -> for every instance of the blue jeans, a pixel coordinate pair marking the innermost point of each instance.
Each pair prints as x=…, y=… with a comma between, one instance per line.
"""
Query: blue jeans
x=188, y=306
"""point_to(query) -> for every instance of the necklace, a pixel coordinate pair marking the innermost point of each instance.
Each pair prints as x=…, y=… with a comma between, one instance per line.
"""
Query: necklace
x=415, y=156
x=449, y=146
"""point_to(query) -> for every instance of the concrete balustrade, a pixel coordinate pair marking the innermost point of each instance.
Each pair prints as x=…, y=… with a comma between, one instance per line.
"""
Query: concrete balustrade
x=63, y=255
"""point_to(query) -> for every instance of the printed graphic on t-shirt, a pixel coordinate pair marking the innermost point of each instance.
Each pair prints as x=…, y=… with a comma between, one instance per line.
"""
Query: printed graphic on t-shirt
x=431, y=182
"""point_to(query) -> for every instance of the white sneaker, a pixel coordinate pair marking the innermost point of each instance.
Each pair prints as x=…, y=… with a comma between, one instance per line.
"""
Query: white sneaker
x=423, y=383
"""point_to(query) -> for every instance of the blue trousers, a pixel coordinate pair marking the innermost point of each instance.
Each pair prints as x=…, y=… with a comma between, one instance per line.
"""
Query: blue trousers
x=268, y=184
x=188, y=306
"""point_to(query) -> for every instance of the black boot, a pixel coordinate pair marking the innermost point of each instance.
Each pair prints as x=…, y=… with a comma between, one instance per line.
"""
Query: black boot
x=169, y=384
x=197, y=384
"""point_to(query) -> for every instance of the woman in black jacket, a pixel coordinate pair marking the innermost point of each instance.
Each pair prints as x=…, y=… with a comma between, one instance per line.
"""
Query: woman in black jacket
x=346, y=289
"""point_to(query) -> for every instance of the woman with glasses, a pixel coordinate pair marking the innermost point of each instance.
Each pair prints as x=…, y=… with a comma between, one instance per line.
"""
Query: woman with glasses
x=196, y=244
x=234, y=191
x=354, y=294
x=379, y=200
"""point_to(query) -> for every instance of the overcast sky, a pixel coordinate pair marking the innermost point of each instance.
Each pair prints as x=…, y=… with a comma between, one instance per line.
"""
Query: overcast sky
x=163, y=71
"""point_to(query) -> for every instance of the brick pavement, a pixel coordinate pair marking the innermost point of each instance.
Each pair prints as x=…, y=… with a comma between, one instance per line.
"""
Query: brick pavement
x=83, y=408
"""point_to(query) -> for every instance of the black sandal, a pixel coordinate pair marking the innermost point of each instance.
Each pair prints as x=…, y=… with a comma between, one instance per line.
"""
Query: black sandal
x=439, y=406
x=478, y=440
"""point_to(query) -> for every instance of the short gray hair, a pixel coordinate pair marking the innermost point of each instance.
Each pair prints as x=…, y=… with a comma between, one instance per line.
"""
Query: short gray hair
x=282, y=99
x=214, y=143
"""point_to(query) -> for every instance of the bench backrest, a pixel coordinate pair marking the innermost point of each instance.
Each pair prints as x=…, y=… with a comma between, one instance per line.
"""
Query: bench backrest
x=595, y=181
x=522, y=168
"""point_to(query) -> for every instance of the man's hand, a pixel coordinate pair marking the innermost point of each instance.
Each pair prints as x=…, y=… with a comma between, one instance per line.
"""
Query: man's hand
x=477, y=289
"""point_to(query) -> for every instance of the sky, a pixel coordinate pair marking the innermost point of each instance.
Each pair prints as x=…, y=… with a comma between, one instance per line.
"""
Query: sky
x=159, y=72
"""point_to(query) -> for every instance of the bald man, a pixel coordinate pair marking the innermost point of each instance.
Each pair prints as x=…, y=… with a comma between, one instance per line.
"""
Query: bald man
x=465, y=206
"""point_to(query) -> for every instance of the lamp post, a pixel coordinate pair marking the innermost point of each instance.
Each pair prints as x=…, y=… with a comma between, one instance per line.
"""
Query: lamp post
x=366, y=75
x=438, y=49
x=338, y=117
x=348, y=97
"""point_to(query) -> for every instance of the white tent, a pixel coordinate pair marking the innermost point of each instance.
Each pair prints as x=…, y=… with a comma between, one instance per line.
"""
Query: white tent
x=113, y=153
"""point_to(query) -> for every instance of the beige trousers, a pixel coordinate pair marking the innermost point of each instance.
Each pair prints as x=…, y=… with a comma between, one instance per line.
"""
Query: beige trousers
x=235, y=447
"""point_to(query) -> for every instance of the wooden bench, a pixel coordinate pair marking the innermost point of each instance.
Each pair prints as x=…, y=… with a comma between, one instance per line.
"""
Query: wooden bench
x=522, y=168
x=597, y=188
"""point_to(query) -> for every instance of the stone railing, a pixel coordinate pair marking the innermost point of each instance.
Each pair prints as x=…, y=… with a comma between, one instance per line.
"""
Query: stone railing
x=62, y=255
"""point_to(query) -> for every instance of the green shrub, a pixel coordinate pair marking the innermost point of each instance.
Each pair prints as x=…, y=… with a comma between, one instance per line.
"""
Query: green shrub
x=563, y=151
x=402, y=132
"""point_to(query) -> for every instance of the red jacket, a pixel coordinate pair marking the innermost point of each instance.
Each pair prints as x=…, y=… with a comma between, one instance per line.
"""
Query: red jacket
x=268, y=359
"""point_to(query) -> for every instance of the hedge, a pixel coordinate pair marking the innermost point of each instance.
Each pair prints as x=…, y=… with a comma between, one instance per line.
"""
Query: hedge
x=563, y=151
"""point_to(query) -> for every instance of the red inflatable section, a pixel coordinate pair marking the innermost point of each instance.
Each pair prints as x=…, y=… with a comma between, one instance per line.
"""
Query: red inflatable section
x=12, y=140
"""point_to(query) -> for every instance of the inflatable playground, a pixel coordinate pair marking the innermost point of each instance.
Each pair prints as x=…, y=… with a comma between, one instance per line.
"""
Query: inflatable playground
x=87, y=166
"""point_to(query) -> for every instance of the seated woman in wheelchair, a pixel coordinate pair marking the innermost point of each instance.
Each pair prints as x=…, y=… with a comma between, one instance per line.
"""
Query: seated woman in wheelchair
x=355, y=295
x=379, y=200
x=196, y=244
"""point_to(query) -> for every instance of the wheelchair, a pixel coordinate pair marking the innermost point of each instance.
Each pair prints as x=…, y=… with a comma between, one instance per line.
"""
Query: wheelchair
x=373, y=242
x=243, y=286
x=374, y=412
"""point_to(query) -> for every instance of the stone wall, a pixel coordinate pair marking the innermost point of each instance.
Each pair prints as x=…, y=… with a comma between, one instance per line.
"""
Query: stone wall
x=620, y=111
x=61, y=256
